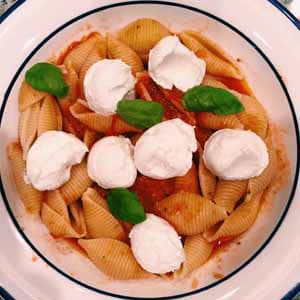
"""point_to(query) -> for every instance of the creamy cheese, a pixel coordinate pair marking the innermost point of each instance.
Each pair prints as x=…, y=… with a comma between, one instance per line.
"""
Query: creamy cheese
x=172, y=64
x=156, y=245
x=110, y=163
x=166, y=149
x=51, y=157
x=106, y=83
x=235, y=154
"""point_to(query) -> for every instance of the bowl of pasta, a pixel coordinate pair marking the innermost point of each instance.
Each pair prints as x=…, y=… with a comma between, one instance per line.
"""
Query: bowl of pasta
x=149, y=150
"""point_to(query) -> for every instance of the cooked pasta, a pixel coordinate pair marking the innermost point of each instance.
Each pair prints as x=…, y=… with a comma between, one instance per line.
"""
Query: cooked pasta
x=216, y=63
x=240, y=220
x=205, y=210
x=77, y=184
x=190, y=213
x=100, y=222
x=207, y=181
x=30, y=197
x=28, y=96
x=28, y=127
x=113, y=258
x=188, y=182
x=142, y=35
x=216, y=122
x=50, y=117
x=229, y=192
x=118, y=50
x=197, y=251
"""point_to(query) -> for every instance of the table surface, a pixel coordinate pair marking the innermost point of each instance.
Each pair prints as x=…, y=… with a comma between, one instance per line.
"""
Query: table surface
x=294, y=7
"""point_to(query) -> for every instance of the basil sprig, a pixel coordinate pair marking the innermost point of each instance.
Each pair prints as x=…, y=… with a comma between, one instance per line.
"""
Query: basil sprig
x=140, y=113
x=211, y=99
x=125, y=206
x=47, y=78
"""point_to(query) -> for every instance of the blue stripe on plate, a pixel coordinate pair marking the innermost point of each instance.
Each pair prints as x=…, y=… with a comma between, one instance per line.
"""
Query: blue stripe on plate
x=4, y=295
x=293, y=294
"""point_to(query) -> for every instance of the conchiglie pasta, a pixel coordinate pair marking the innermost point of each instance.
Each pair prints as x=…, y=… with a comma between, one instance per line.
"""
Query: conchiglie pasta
x=197, y=251
x=77, y=184
x=240, y=220
x=188, y=182
x=57, y=202
x=261, y=182
x=189, y=213
x=50, y=117
x=216, y=64
x=216, y=122
x=100, y=222
x=207, y=181
x=77, y=218
x=30, y=197
x=254, y=117
x=213, y=82
x=99, y=122
x=90, y=137
x=71, y=79
x=118, y=50
x=29, y=96
x=28, y=126
x=113, y=258
x=229, y=192
x=142, y=35
x=57, y=224
x=77, y=56
x=92, y=194
x=97, y=54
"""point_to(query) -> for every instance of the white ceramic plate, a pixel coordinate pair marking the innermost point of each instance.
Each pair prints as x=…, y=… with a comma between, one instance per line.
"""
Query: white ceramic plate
x=267, y=42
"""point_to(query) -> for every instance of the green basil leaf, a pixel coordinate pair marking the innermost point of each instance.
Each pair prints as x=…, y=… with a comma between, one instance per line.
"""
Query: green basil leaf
x=47, y=78
x=125, y=206
x=140, y=113
x=210, y=99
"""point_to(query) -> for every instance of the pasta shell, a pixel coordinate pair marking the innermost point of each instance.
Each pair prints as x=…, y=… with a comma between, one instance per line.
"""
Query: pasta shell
x=77, y=56
x=142, y=35
x=207, y=181
x=30, y=197
x=197, y=251
x=240, y=220
x=77, y=184
x=213, y=82
x=216, y=122
x=254, y=117
x=70, y=124
x=118, y=50
x=188, y=182
x=29, y=96
x=113, y=258
x=98, y=53
x=78, y=220
x=28, y=127
x=217, y=61
x=93, y=195
x=56, y=224
x=190, y=213
x=71, y=79
x=100, y=222
x=56, y=201
x=229, y=192
x=99, y=122
x=50, y=117
x=90, y=137
x=261, y=182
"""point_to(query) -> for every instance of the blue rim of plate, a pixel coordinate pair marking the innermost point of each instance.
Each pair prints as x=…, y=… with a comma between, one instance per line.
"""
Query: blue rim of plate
x=166, y=3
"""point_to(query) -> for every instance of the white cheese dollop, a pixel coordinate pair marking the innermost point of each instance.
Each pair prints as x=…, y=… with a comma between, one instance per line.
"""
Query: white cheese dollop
x=235, y=154
x=156, y=245
x=106, y=83
x=51, y=157
x=110, y=163
x=166, y=149
x=171, y=63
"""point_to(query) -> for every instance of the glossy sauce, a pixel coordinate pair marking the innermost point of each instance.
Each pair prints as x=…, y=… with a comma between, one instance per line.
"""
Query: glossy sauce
x=240, y=86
